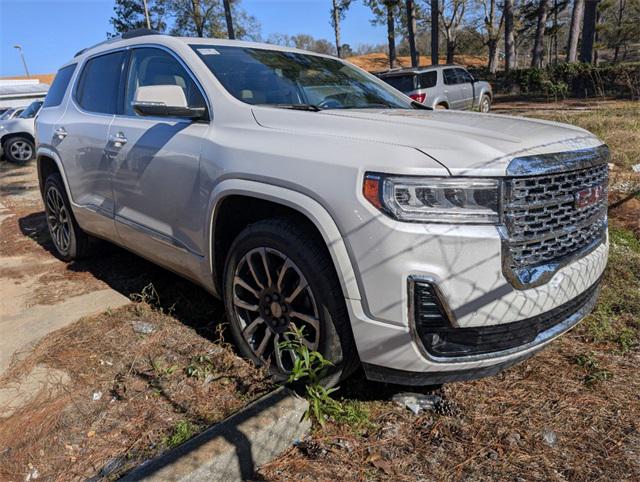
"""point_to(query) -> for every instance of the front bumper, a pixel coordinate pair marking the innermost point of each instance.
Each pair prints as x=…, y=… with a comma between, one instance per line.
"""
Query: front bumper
x=583, y=305
x=465, y=264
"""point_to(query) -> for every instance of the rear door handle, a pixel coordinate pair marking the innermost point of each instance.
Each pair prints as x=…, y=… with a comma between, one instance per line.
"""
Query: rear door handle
x=60, y=133
x=118, y=140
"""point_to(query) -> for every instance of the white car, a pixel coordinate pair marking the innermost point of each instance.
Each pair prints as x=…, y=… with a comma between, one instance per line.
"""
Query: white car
x=17, y=135
x=426, y=246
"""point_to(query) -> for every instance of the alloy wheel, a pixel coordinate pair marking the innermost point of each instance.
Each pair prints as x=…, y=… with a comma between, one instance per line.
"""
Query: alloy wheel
x=485, y=105
x=21, y=150
x=270, y=297
x=58, y=219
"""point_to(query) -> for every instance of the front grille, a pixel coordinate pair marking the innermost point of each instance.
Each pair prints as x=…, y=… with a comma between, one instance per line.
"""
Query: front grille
x=544, y=223
x=440, y=339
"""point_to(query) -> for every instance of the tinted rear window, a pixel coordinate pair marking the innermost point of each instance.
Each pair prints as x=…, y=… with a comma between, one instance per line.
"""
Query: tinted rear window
x=99, y=83
x=450, y=77
x=404, y=83
x=59, y=86
x=428, y=79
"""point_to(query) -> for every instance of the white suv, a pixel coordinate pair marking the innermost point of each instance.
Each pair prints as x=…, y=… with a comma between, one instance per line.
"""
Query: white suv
x=426, y=246
x=17, y=135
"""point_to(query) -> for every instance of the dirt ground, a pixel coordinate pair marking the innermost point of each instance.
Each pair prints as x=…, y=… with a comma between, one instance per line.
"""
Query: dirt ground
x=379, y=61
x=98, y=396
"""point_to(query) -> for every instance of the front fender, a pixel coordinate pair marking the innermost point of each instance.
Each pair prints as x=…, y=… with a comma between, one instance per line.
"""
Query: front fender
x=301, y=203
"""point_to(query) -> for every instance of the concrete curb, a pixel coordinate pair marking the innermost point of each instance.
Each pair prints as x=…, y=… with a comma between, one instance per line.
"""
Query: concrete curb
x=232, y=449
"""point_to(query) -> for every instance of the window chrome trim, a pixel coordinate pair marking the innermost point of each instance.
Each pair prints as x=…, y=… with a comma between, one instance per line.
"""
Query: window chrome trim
x=189, y=72
x=558, y=162
x=80, y=72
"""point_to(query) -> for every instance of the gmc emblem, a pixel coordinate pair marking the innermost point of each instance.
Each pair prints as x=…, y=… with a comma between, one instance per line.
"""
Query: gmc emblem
x=588, y=197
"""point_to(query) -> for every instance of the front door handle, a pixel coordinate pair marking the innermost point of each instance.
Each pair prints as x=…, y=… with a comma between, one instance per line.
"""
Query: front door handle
x=60, y=133
x=118, y=140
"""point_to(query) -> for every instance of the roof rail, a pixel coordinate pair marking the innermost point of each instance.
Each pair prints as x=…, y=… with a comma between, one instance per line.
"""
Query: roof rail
x=138, y=32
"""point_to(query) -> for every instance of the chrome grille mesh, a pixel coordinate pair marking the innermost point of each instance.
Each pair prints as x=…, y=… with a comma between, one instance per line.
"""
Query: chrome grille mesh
x=542, y=220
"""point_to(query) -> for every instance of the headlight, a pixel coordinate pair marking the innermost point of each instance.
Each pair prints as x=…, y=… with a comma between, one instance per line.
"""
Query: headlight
x=435, y=199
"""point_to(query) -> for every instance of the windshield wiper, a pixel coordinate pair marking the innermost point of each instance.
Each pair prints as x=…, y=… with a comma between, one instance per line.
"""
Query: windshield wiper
x=308, y=107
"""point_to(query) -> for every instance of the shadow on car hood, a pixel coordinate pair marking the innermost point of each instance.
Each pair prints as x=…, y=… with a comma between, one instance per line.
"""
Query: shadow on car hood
x=466, y=143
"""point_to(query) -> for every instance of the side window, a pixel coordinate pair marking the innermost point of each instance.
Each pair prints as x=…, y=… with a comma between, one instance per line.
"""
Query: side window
x=428, y=79
x=99, y=83
x=152, y=66
x=464, y=77
x=450, y=77
x=59, y=86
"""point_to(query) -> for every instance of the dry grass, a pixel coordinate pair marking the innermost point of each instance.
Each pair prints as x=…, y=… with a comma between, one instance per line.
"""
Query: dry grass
x=616, y=123
x=157, y=390
x=379, y=61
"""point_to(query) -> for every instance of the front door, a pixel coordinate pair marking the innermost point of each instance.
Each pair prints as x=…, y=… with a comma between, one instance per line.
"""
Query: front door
x=453, y=89
x=158, y=200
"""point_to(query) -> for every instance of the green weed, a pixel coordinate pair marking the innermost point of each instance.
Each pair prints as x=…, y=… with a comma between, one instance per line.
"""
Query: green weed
x=182, y=431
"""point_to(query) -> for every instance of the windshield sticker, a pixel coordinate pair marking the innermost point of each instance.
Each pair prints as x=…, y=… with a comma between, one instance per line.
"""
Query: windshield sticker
x=209, y=51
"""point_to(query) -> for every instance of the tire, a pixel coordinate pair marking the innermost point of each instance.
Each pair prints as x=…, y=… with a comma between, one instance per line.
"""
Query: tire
x=270, y=298
x=485, y=104
x=19, y=150
x=442, y=107
x=69, y=240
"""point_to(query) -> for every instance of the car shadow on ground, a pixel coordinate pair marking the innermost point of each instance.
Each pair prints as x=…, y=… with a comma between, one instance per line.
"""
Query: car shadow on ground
x=133, y=276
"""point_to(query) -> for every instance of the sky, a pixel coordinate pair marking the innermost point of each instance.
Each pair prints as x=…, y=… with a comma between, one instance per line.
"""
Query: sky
x=52, y=31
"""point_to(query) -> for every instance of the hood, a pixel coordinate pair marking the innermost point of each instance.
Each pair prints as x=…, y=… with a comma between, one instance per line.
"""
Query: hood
x=466, y=143
x=17, y=124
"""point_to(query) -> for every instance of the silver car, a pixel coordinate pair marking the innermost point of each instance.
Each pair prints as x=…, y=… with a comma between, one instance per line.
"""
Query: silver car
x=423, y=245
x=442, y=87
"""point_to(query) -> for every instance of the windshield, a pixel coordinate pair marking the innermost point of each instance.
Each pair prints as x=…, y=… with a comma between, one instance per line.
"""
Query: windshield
x=404, y=83
x=272, y=77
x=31, y=111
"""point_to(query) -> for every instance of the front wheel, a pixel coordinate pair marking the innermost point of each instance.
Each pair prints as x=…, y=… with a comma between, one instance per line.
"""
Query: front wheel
x=485, y=104
x=19, y=150
x=277, y=277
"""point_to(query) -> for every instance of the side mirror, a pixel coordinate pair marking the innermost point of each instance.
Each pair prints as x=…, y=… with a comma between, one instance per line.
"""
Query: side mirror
x=164, y=101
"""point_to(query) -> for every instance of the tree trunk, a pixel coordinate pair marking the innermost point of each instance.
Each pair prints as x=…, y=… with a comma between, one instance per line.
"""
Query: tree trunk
x=574, y=30
x=555, y=32
x=435, y=31
x=588, y=31
x=227, y=13
x=411, y=30
x=493, y=55
x=391, y=37
x=537, y=53
x=198, y=19
x=451, y=50
x=336, y=27
x=509, y=40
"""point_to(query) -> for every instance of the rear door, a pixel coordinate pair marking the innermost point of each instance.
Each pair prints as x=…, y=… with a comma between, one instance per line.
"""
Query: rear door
x=158, y=200
x=81, y=140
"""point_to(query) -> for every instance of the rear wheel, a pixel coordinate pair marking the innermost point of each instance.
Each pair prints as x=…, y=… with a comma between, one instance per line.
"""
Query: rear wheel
x=19, y=150
x=442, y=107
x=278, y=277
x=485, y=104
x=68, y=239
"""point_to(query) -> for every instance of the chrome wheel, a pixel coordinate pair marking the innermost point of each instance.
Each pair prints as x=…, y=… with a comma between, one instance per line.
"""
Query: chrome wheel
x=58, y=220
x=21, y=150
x=270, y=297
